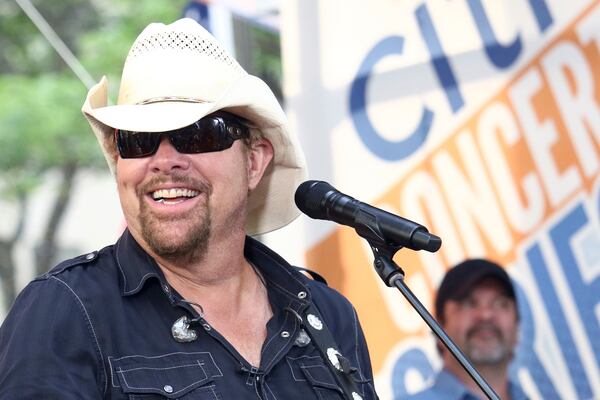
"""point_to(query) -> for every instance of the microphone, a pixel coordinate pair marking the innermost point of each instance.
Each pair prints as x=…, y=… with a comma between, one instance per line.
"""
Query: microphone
x=320, y=200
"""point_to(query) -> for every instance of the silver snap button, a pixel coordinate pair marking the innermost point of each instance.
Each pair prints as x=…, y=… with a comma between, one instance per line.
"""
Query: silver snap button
x=285, y=334
x=90, y=256
x=356, y=396
x=168, y=388
x=302, y=295
x=206, y=327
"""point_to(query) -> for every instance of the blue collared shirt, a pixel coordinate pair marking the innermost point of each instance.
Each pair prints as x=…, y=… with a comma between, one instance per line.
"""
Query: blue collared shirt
x=447, y=387
x=100, y=327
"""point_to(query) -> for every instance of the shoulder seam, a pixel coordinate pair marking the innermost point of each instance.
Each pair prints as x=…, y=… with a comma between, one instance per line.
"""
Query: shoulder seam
x=90, y=328
x=71, y=263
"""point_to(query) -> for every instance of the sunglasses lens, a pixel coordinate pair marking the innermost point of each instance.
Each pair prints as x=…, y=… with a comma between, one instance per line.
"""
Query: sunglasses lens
x=203, y=136
x=133, y=144
x=212, y=133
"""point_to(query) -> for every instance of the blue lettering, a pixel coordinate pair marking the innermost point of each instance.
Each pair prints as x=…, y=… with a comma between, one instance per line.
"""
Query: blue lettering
x=559, y=322
x=586, y=295
x=500, y=56
x=383, y=148
x=542, y=14
x=525, y=354
x=440, y=60
x=413, y=359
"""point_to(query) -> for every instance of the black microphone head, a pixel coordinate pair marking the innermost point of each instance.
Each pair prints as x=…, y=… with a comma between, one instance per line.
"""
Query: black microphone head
x=309, y=198
x=423, y=240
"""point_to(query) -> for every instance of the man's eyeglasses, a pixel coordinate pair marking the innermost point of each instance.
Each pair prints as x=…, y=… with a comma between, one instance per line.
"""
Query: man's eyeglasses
x=215, y=132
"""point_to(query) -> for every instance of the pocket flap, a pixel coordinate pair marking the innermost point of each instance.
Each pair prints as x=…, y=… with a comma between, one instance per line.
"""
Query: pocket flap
x=170, y=375
x=314, y=370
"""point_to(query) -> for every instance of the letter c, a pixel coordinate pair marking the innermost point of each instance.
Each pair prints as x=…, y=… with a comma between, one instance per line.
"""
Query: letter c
x=388, y=150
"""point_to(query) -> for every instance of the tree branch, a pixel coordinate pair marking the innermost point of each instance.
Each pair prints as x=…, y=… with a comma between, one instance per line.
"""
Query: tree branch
x=46, y=251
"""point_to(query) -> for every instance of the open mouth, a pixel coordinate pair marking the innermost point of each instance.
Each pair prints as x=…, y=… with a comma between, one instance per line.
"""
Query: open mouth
x=173, y=196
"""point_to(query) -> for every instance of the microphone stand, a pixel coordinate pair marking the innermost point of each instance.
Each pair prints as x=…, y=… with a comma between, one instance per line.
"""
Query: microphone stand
x=393, y=275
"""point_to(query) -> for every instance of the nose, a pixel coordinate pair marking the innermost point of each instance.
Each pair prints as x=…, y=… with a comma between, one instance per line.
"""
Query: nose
x=167, y=158
x=485, y=312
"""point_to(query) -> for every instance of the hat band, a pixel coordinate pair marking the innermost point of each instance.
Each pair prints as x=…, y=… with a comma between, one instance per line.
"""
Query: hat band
x=163, y=99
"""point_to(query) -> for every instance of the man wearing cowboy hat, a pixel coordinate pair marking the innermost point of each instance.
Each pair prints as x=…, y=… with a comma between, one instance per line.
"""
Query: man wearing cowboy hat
x=186, y=304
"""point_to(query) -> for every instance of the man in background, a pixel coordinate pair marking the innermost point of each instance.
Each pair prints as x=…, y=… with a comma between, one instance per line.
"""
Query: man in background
x=476, y=306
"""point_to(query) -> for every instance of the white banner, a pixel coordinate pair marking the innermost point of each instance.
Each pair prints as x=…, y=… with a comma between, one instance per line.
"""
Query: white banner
x=479, y=119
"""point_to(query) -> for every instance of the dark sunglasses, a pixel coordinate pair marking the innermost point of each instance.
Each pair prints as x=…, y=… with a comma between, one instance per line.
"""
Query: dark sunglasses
x=215, y=132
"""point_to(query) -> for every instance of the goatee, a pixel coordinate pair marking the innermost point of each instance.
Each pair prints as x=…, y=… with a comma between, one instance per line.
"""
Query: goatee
x=482, y=355
x=183, y=239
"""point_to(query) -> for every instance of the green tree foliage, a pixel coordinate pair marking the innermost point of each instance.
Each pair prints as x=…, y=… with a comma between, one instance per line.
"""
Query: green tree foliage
x=41, y=125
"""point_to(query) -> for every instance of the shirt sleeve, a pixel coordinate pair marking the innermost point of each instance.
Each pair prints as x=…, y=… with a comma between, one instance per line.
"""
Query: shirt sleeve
x=363, y=359
x=48, y=347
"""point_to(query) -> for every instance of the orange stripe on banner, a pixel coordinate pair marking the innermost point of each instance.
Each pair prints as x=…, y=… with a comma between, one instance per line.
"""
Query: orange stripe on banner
x=490, y=185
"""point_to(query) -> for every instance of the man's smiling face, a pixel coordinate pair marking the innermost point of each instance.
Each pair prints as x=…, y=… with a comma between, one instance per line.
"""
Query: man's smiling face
x=174, y=202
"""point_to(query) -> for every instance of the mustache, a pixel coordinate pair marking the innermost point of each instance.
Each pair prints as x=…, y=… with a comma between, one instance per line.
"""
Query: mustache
x=484, y=326
x=178, y=179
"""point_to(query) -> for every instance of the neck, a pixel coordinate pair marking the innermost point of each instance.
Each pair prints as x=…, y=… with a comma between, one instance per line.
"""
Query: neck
x=495, y=375
x=222, y=263
x=232, y=295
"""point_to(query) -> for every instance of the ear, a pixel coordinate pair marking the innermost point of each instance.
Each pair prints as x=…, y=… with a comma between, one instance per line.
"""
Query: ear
x=260, y=155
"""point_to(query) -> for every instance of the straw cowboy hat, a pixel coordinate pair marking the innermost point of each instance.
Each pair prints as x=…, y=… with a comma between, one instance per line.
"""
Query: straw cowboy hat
x=176, y=74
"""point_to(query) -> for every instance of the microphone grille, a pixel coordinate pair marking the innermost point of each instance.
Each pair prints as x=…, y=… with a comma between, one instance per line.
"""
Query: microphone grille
x=309, y=198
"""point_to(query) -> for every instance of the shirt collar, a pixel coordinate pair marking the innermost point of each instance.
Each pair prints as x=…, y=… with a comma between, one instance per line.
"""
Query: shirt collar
x=452, y=388
x=137, y=267
x=279, y=274
x=448, y=384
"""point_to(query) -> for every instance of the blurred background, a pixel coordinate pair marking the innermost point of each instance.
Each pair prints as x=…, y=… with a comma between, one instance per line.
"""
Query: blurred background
x=57, y=199
x=479, y=119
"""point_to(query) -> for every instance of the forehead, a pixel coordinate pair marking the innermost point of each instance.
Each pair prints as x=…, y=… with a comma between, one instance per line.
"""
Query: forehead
x=489, y=285
x=486, y=290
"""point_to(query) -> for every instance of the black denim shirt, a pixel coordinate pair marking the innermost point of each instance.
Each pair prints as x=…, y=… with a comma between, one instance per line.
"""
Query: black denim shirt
x=100, y=327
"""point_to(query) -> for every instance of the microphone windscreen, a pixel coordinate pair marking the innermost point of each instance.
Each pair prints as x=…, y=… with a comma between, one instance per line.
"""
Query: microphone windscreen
x=309, y=198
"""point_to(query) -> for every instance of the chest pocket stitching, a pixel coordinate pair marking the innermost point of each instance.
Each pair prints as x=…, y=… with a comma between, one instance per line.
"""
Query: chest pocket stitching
x=193, y=362
x=214, y=364
x=304, y=362
x=214, y=392
x=269, y=389
x=201, y=364
x=112, y=376
x=122, y=374
x=327, y=385
x=204, y=353
x=211, y=388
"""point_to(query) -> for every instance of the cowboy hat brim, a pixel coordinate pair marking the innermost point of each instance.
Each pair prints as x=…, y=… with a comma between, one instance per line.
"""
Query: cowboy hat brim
x=270, y=204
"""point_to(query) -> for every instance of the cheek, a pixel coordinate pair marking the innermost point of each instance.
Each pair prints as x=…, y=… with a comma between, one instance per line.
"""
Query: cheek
x=129, y=172
x=229, y=170
x=128, y=176
x=457, y=321
x=455, y=324
x=511, y=328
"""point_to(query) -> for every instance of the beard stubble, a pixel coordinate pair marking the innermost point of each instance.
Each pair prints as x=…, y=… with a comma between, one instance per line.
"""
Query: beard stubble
x=183, y=239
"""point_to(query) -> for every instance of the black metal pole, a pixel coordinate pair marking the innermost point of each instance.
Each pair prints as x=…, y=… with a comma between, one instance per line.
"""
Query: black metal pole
x=393, y=275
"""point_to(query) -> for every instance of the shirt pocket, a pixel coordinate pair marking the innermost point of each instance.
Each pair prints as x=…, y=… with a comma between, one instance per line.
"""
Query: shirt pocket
x=183, y=376
x=313, y=371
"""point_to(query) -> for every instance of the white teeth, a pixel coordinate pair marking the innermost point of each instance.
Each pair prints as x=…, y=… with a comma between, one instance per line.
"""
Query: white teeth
x=173, y=193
